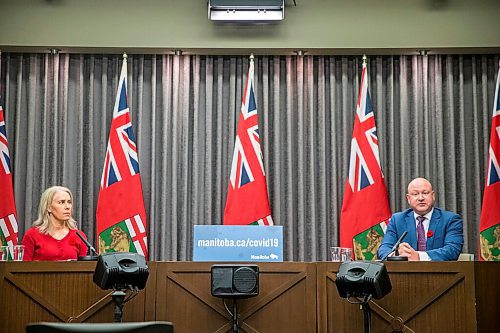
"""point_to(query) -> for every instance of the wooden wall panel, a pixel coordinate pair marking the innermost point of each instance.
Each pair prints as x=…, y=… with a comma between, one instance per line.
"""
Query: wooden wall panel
x=487, y=295
x=425, y=297
x=57, y=291
x=294, y=297
x=286, y=300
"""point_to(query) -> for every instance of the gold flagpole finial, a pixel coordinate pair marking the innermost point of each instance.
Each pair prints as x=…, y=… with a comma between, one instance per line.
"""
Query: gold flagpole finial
x=364, y=59
x=125, y=56
x=251, y=57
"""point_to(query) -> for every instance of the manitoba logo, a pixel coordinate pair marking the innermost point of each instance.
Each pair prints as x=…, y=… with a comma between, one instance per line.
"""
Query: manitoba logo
x=366, y=243
x=126, y=236
x=490, y=243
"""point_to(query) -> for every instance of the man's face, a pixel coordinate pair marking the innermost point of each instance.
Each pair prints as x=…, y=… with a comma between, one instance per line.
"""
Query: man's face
x=420, y=196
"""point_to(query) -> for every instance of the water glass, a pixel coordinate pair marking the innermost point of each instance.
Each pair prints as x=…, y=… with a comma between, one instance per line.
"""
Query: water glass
x=335, y=251
x=345, y=254
x=4, y=252
x=18, y=252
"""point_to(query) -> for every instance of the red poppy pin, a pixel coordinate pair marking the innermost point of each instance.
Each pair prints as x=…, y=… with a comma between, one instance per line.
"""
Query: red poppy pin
x=430, y=233
x=72, y=241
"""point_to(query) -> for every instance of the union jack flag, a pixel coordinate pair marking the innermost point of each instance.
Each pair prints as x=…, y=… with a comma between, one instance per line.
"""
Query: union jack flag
x=493, y=173
x=365, y=202
x=489, y=225
x=4, y=148
x=241, y=174
x=8, y=214
x=247, y=199
x=121, y=154
x=120, y=193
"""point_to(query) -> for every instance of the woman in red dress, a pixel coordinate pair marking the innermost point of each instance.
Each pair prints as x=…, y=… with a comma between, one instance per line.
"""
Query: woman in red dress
x=53, y=235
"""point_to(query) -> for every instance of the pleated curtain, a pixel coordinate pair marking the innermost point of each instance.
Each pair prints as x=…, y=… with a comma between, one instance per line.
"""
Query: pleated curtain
x=433, y=117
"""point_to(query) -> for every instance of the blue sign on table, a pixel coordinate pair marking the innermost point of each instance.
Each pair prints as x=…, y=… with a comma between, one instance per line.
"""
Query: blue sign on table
x=238, y=243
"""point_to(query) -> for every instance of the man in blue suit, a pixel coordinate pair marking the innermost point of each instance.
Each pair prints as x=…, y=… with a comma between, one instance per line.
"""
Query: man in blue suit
x=433, y=233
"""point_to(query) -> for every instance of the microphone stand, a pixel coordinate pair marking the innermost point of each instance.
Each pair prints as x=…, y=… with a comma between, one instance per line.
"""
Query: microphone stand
x=397, y=257
x=88, y=257
x=90, y=248
x=395, y=249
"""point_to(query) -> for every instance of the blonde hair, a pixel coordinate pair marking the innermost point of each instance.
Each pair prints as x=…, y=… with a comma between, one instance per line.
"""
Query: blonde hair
x=43, y=222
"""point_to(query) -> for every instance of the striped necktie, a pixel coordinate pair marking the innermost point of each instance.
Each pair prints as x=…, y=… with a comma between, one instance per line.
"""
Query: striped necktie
x=421, y=234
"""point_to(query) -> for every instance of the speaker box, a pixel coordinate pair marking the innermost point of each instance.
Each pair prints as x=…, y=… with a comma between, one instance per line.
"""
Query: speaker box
x=121, y=270
x=235, y=281
x=363, y=278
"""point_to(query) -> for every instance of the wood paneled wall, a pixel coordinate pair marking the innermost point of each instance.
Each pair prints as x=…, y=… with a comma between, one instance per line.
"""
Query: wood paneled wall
x=293, y=297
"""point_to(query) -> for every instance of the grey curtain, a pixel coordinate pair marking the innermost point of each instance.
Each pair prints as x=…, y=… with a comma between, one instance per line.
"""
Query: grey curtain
x=433, y=117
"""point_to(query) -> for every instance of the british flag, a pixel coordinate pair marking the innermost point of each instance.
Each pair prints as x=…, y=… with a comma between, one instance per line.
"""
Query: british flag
x=121, y=154
x=493, y=172
x=247, y=199
x=241, y=174
x=489, y=225
x=4, y=148
x=365, y=203
x=121, y=195
x=8, y=214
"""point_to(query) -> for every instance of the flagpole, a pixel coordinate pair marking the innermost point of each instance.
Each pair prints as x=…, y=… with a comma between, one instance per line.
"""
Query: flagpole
x=250, y=67
x=125, y=56
x=364, y=59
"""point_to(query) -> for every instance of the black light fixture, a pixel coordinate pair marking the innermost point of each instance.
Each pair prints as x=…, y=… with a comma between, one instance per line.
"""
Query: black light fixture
x=235, y=282
x=360, y=281
x=121, y=271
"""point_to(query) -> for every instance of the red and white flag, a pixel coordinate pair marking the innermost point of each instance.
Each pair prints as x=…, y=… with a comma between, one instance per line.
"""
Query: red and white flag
x=8, y=214
x=121, y=216
x=365, y=208
x=247, y=199
x=489, y=225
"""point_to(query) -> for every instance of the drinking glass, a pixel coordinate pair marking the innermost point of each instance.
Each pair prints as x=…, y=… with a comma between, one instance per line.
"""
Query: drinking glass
x=18, y=252
x=4, y=252
x=335, y=251
x=345, y=254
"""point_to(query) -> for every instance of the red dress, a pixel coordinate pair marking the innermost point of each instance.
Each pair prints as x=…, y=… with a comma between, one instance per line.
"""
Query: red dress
x=45, y=247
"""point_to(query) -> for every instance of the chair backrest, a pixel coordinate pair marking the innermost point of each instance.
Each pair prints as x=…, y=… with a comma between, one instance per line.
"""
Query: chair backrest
x=466, y=257
x=146, y=327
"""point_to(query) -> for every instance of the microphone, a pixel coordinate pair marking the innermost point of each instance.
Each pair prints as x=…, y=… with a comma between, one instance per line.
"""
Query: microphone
x=397, y=257
x=90, y=248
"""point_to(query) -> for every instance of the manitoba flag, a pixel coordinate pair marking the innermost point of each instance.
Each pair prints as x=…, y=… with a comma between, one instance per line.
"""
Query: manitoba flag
x=247, y=199
x=489, y=225
x=365, y=208
x=8, y=214
x=121, y=217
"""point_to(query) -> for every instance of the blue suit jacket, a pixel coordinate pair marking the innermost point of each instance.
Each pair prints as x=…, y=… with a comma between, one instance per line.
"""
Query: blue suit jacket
x=445, y=244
